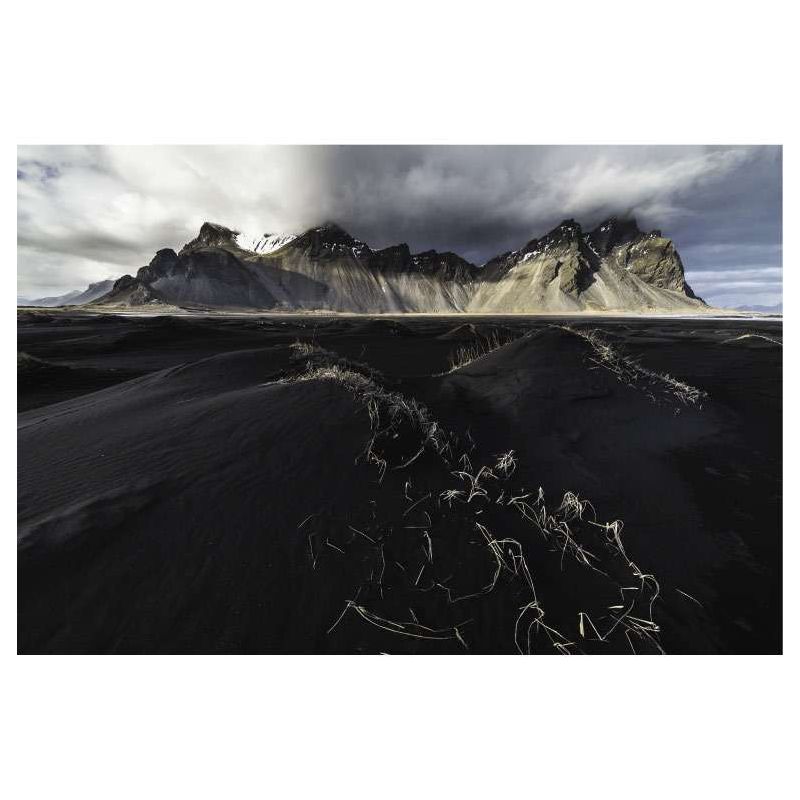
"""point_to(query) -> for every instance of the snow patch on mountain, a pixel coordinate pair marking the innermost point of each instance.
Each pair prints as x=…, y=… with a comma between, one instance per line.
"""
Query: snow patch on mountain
x=264, y=242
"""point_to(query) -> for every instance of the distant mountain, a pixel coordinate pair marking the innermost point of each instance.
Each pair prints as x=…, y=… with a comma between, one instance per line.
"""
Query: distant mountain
x=615, y=267
x=49, y=302
x=776, y=309
x=73, y=298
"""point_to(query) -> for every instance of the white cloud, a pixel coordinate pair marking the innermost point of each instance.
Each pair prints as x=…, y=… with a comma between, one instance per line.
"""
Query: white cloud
x=85, y=212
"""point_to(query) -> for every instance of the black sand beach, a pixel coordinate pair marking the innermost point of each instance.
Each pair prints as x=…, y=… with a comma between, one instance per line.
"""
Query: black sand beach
x=314, y=484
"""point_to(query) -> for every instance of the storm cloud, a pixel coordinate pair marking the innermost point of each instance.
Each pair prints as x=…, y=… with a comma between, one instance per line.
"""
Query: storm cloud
x=89, y=213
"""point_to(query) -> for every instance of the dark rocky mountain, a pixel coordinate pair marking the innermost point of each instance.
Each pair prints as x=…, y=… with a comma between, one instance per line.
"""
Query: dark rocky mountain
x=649, y=256
x=212, y=235
x=202, y=274
x=616, y=266
x=329, y=241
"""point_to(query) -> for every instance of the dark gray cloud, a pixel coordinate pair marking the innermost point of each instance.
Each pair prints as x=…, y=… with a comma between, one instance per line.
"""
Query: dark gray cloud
x=86, y=213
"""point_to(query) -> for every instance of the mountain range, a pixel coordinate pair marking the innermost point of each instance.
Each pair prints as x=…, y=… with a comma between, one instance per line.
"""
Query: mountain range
x=73, y=298
x=613, y=267
x=760, y=309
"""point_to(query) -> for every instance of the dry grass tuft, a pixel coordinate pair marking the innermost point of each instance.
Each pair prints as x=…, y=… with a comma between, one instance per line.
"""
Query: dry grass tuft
x=754, y=336
x=469, y=353
x=659, y=387
x=444, y=533
x=394, y=418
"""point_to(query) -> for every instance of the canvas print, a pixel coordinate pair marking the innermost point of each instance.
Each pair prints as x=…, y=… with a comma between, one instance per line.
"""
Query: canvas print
x=399, y=399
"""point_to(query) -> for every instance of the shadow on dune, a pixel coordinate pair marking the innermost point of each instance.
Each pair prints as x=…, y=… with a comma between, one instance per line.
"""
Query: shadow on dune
x=337, y=495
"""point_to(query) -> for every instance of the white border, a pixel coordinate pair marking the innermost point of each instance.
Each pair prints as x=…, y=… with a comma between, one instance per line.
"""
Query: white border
x=349, y=72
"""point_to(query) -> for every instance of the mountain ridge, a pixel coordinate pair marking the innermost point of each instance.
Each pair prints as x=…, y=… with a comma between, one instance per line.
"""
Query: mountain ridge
x=76, y=297
x=614, y=267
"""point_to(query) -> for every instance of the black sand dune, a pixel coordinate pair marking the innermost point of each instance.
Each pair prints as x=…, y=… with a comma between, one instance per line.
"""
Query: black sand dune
x=331, y=485
x=40, y=382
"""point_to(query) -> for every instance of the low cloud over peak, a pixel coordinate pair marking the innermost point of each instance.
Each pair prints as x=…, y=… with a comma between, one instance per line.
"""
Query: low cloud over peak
x=88, y=213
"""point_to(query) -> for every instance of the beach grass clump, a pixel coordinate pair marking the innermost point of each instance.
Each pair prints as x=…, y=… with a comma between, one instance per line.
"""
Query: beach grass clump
x=401, y=429
x=475, y=350
x=433, y=558
x=659, y=386
x=315, y=357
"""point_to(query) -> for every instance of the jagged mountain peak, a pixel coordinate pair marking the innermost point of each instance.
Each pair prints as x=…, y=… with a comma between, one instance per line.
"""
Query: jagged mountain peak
x=566, y=229
x=396, y=257
x=401, y=250
x=615, y=266
x=161, y=263
x=212, y=234
x=446, y=260
x=614, y=222
x=566, y=233
x=332, y=233
x=211, y=231
x=330, y=241
x=612, y=232
x=331, y=226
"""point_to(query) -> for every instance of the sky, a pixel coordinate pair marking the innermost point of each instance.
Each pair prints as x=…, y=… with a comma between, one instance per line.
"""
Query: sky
x=87, y=213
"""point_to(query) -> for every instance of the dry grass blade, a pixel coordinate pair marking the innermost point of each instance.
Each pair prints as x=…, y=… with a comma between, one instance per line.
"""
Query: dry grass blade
x=469, y=353
x=412, y=629
x=631, y=373
x=753, y=336
x=400, y=426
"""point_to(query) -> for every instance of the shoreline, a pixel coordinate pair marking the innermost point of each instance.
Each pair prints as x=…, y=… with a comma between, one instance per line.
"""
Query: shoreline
x=715, y=314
